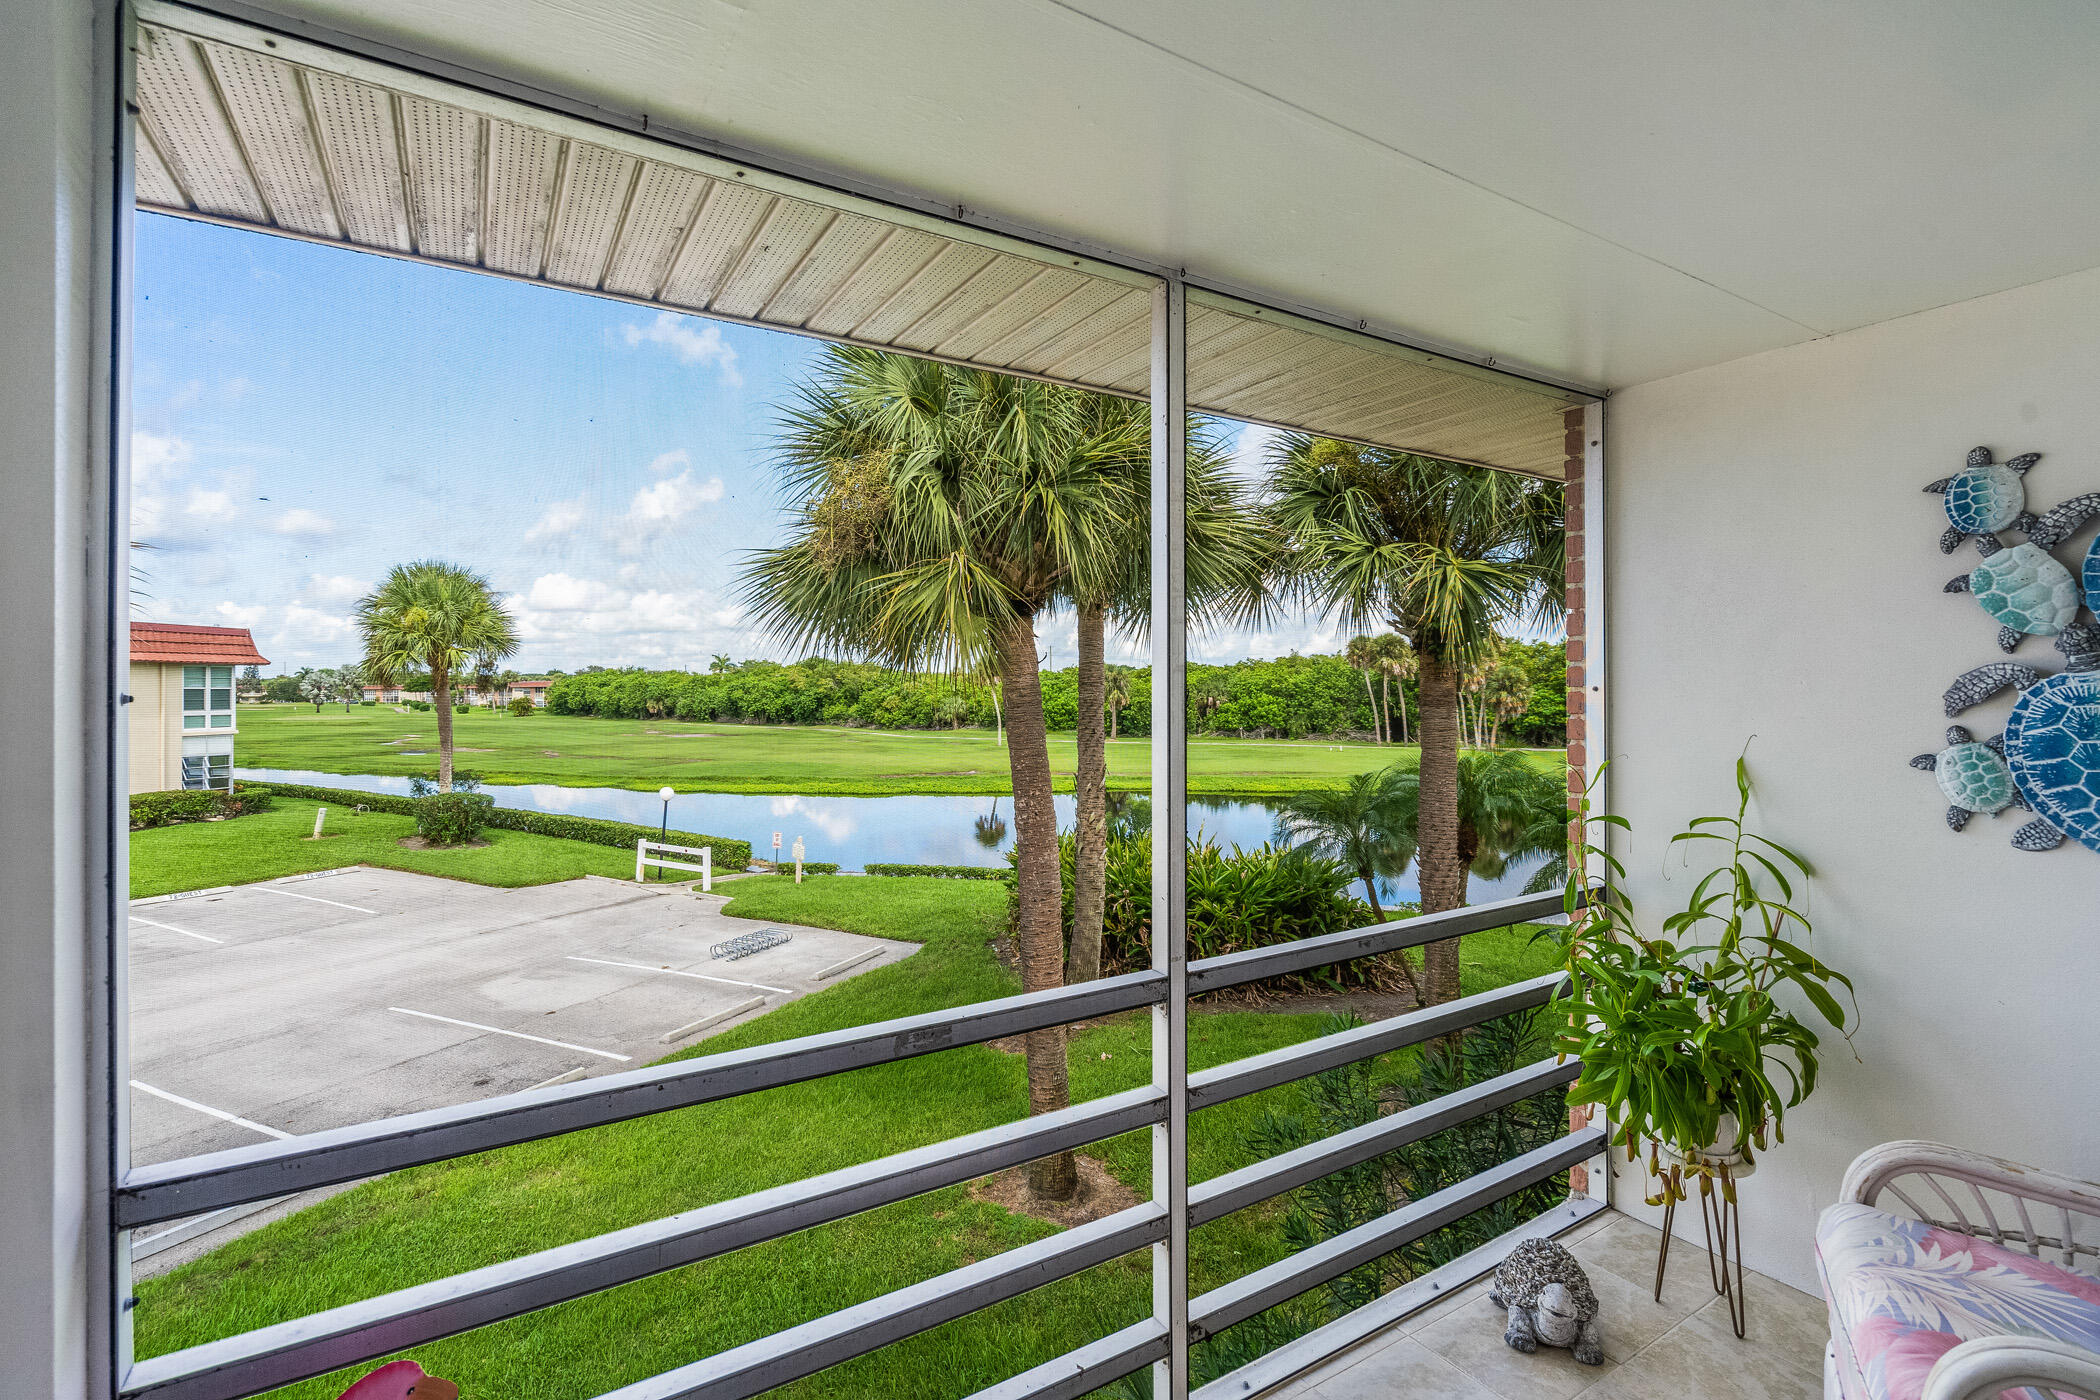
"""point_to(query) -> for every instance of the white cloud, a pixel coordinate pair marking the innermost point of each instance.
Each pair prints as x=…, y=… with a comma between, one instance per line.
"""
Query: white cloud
x=660, y=506
x=1249, y=451
x=338, y=590
x=562, y=593
x=237, y=387
x=693, y=342
x=232, y=614
x=155, y=458
x=301, y=521
x=201, y=504
x=557, y=520
x=664, y=461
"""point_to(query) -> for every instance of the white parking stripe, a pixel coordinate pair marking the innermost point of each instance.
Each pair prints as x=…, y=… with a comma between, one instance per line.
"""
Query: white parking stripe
x=207, y=1108
x=151, y=923
x=518, y=1035
x=638, y=967
x=294, y=894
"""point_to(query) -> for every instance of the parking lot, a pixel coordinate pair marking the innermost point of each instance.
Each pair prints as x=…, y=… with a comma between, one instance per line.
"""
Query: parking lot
x=268, y=1010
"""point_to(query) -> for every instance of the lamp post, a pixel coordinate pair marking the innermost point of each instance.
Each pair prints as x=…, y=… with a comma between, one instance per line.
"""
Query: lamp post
x=663, y=831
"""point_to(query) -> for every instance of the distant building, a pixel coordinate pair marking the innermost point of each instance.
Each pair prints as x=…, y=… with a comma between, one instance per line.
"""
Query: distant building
x=393, y=694
x=181, y=714
x=535, y=690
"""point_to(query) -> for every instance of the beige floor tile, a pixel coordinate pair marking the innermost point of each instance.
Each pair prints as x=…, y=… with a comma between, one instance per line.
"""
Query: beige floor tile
x=1472, y=1341
x=1472, y=1298
x=1628, y=1248
x=1405, y=1368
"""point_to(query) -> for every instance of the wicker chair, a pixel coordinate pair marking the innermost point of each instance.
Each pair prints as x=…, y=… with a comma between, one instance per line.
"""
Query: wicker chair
x=2010, y=1214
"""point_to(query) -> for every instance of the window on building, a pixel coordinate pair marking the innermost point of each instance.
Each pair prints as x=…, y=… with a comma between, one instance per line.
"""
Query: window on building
x=207, y=762
x=207, y=697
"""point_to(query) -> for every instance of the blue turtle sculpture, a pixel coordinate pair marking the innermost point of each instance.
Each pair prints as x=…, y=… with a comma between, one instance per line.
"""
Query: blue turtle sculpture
x=1973, y=775
x=2052, y=739
x=1984, y=497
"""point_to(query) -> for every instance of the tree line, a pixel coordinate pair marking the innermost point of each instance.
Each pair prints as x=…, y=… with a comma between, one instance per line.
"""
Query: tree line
x=1519, y=697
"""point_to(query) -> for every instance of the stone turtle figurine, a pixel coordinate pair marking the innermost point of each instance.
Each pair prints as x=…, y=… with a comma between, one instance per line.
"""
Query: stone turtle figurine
x=1549, y=1300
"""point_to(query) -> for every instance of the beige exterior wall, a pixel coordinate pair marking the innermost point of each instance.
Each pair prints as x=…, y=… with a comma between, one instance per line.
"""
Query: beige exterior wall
x=1774, y=570
x=155, y=716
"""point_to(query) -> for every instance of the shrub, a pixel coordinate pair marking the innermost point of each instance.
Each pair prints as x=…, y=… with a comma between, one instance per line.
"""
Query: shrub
x=809, y=867
x=522, y=705
x=151, y=809
x=729, y=855
x=1237, y=899
x=368, y=702
x=943, y=872
x=459, y=708
x=450, y=818
x=418, y=704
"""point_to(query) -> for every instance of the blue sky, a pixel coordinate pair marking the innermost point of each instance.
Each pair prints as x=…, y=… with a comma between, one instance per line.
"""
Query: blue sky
x=304, y=417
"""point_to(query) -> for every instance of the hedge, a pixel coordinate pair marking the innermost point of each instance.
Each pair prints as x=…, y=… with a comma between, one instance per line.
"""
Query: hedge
x=942, y=872
x=728, y=855
x=177, y=805
x=809, y=867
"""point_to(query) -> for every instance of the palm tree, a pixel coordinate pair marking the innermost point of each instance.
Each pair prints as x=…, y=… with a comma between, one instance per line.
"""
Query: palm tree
x=1362, y=656
x=1509, y=812
x=1439, y=552
x=349, y=685
x=990, y=830
x=1395, y=660
x=1367, y=825
x=942, y=511
x=440, y=617
x=1507, y=693
x=318, y=686
x=721, y=663
x=1116, y=695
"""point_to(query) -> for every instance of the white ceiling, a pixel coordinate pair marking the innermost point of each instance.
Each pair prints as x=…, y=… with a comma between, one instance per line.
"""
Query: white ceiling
x=1612, y=191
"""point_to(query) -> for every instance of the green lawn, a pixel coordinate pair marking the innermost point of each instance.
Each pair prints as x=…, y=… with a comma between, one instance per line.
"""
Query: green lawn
x=432, y=1221
x=644, y=754
x=278, y=842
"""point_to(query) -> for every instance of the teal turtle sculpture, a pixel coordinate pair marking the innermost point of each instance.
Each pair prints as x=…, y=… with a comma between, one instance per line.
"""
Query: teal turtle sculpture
x=1985, y=497
x=1973, y=776
x=2052, y=738
x=2024, y=587
x=2062, y=522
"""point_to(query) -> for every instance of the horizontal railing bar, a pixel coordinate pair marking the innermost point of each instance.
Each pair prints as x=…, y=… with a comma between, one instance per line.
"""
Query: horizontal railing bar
x=786, y=1356
x=1301, y=1354
x=1250, y=1185
x=322, y=1342
x=193, y=1185
x=1211, y=1313
x=1083, y=1370
x=1235, y=969
x=1293, y=1062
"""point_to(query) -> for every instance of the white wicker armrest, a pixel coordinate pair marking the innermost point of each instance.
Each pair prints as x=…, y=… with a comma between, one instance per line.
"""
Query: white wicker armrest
x=1877, y=1166
x=1981, y=1369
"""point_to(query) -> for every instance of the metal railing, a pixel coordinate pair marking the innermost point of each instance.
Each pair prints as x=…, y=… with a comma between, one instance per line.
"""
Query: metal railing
x=264, y=1358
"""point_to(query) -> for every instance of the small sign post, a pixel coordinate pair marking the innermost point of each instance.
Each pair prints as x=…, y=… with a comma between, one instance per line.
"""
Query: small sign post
x=798, y=860
x=320, y=815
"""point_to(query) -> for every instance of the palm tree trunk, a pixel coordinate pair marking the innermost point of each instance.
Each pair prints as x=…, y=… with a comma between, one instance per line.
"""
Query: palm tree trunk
x=1385, y=688
x=1371, y=699
x=1443, y=876
x=1090, y=786
x=441, y=691
x=1038, y=888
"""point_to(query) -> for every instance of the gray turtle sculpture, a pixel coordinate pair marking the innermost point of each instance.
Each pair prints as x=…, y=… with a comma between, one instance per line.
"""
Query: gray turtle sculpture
x=1549, y=1300
x=2025, y=588
x=1973, y=775
x=1984, y=497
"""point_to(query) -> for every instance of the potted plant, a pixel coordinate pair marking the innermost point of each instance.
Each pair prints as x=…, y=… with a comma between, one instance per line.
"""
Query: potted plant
x=1691, y=1044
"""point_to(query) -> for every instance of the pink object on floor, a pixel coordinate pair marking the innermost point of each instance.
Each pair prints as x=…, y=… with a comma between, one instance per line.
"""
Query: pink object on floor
x=401, y=1380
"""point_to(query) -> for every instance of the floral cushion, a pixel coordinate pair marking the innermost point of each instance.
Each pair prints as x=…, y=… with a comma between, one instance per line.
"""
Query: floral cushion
x=1902, y=1294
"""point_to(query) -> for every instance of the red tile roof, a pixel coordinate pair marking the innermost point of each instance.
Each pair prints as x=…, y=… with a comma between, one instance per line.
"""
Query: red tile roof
x=530, y=685
x=179, y=642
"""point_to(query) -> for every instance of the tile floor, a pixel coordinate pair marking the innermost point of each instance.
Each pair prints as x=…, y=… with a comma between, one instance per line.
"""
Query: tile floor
x=1680, y=1349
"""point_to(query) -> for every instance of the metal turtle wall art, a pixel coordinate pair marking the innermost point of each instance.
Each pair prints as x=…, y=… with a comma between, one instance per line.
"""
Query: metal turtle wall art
x=1973, y=775
x=2051, y=740
x=1984, y=497
x=2048, y=759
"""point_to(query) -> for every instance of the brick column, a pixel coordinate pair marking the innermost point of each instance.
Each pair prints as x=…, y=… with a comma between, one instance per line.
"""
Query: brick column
x=1578, y=695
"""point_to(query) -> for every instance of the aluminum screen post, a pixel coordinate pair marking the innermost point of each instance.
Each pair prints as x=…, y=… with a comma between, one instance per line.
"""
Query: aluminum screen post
x=1170, y=820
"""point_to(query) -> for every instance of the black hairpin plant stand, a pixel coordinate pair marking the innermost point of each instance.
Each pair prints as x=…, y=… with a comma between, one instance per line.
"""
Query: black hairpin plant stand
x=1724, y=1239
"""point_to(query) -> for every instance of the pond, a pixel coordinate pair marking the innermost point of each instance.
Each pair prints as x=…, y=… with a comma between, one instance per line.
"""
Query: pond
x=852, y=831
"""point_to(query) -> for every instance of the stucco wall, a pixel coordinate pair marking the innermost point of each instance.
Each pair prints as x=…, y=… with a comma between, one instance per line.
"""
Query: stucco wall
x=1774, y=572
x=155, y=716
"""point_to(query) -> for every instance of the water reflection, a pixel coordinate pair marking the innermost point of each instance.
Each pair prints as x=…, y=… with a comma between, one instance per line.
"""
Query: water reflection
x=853, y=831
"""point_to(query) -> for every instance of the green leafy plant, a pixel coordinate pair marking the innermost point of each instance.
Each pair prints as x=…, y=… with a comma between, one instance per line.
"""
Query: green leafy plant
x=451, y=818
x=151, y=809
x=1681, y=1036
x=944, y=872
x=522, y=705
